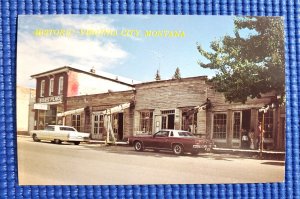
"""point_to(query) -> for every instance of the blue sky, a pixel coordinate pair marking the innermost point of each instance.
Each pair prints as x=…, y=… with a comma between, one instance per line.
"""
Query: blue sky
x=136, y=58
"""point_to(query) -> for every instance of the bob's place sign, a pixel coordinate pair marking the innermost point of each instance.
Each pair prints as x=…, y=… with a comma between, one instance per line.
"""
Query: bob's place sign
x=51, y=100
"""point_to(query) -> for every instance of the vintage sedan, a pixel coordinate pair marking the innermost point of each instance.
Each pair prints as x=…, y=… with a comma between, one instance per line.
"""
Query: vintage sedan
x=59, y=133
x=177, y=141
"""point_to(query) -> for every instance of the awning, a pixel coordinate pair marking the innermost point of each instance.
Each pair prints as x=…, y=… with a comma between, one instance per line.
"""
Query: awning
x=75, y=111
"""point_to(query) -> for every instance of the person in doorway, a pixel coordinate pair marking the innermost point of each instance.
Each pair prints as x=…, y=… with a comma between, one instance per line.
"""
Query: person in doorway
x=245, y=139
x=252, y=139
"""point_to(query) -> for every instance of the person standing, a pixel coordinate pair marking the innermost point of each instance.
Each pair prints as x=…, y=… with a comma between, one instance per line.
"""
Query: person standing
x=252, y=139
x=259, y=135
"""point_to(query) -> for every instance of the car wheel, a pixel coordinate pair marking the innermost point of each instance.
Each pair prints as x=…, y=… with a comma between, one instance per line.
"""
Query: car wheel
x=57, y=141
x=76, y=142
x=35, y=138
x=138, y=146
x=178, y=149
x=208, y=150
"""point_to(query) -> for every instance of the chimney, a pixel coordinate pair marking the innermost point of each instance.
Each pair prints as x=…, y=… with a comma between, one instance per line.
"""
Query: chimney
x=93, y=70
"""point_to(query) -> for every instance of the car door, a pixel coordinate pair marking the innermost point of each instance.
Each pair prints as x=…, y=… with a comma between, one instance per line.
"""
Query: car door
x=159, y=139
x=167, y=142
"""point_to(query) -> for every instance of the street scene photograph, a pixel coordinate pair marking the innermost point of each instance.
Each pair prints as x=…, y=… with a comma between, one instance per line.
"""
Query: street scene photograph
x=127, y=100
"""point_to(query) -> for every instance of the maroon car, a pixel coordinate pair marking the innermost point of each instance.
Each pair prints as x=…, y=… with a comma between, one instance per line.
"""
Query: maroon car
x=177, y=141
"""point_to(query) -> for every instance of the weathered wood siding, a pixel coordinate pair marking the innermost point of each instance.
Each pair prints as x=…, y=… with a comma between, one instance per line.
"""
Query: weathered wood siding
x=101, y=102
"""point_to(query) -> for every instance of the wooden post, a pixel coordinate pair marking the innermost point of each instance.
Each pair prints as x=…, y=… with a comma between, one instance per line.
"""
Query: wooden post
x=262, y=135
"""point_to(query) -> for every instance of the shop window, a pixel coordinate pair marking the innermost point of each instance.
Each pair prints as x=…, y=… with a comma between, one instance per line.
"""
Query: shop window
x=98, y=124
x=76, y=122
x=60, y=85
x=236, y=124
x=42, y=91
x=189, y=120
x=146, y=121
x=268, y=123
x=219, y=126
x=51, y=87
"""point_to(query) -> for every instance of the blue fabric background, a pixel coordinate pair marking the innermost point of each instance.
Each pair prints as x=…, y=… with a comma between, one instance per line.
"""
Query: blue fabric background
x=8, y=151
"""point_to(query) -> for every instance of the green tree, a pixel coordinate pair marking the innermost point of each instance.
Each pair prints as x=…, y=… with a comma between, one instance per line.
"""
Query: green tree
x=177, y=74
x=157, y=76
x=249, y=65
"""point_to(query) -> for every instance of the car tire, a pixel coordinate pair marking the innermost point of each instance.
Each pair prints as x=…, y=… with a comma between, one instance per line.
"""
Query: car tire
x=178, y=149
x=76, y=142
x=138, y=146
x=57, y=141
x=35, y=138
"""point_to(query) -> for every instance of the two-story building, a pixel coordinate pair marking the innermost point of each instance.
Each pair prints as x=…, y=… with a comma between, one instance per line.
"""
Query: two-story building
x=54, y=86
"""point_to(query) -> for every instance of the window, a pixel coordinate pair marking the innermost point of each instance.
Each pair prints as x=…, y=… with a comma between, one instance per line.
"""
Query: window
x=162, y=134
x=185, y=134
x=42, y=91
x=236, y=124
x=76, y=122
x=49, y=128
x=60, y=85
x=268, y=123
x=146, y=121
x=66, y=128
x=219, y=125
x=51, y=87
x=98, y=124
x=168, y=112
x=189, y=120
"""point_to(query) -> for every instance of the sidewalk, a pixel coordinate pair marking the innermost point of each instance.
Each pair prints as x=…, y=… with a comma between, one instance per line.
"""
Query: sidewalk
x=103, y=142
x=266, y=154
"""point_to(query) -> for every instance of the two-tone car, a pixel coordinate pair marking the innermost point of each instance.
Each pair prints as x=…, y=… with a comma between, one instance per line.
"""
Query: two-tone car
x=178, y=141
x=59, y=133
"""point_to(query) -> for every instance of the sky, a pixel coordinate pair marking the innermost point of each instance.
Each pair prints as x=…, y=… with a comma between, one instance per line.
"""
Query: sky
x=128, y=53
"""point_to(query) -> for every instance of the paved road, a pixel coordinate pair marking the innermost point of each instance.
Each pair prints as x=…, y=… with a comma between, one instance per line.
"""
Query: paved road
x=44, y=163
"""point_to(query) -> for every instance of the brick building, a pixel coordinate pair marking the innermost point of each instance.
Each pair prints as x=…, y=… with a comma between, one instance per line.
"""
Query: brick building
x=54, y=86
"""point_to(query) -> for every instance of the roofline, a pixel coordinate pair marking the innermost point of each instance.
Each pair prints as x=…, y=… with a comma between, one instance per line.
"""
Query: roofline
x=107, y=93
x=172, y=80
x=67, y=68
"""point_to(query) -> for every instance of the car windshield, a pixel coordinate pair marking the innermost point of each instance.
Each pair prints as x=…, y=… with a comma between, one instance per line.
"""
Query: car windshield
x=185, y=134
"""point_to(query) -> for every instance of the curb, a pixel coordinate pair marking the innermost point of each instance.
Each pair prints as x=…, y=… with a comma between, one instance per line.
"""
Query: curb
x=273, y=155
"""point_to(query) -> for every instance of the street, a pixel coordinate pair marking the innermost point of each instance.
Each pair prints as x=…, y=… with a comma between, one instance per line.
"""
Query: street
x=44, y=163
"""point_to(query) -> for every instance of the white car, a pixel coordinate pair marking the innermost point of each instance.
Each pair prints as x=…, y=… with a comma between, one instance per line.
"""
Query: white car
x=59, y=133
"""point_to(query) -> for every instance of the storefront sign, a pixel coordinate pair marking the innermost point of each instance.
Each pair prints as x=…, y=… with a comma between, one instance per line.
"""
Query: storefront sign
x=40, y=106
x=52, y=99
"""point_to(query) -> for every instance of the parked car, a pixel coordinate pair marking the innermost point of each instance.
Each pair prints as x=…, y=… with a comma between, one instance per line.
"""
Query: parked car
x=177, y=141
x=59, y=133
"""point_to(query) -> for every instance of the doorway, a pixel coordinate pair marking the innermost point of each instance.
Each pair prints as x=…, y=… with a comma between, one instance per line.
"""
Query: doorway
x=246, y=120
x=167, y=119
x=120, y=126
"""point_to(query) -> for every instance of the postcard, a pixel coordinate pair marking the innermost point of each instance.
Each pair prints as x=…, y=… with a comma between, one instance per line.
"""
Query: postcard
x=124, y=100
